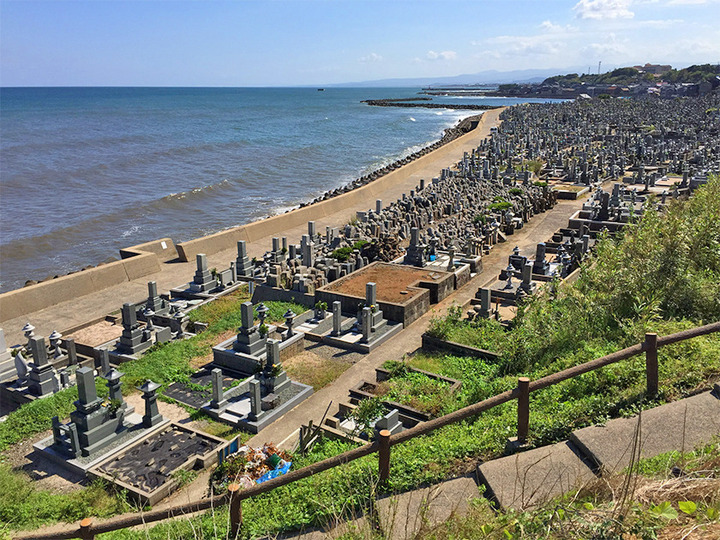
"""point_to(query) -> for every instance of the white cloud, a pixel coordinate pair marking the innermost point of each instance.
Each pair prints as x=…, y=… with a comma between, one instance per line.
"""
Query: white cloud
x=527, y=45
x=553, y=28
x=659, y=23
x=689, y=2
x=444, y=55
x=603, y=9
x=372, y=57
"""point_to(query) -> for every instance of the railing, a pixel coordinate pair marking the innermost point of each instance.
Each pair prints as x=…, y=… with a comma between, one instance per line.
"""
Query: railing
x=87, y=530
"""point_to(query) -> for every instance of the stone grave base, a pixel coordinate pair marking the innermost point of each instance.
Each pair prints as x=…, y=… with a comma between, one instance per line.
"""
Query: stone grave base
x=188, y=294
x=80, y=465
x=463, y=267
x=353, y=340
x=237, y=411
x=499, y=291
x=315, y=329
x=571, y=192
x=12, y=392
x=196, y=399
x=146, y=467
x=232, y=361
x=265, y=293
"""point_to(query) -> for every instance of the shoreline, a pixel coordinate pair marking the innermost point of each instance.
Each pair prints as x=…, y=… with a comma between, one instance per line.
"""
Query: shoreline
x=73, y=300
x=449, y=134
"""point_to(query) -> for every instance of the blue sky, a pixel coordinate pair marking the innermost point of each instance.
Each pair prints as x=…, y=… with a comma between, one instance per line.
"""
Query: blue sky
x=280, y=43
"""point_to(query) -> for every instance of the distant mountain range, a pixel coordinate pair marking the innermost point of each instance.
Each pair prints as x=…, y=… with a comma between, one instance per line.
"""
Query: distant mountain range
x=483, y=77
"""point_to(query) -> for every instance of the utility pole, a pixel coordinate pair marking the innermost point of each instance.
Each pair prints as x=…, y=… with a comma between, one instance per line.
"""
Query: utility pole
x=599, y=63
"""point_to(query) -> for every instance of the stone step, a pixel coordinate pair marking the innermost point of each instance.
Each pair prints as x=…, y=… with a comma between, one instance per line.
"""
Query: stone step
x=682, y=425
x=404, y=516
x=407, y=515
x=532, y=478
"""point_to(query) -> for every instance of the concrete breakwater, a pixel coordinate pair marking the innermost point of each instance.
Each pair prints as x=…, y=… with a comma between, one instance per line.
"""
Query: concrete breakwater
x=414, y=103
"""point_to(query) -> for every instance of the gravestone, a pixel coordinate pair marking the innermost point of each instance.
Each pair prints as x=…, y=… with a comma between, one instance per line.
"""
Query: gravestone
x=71, y=351
x=415, y=253
x=104, y=361
x=484, y=294
x=243, y=265
x=366, y=323
x=154, y=302
x=274, y=378
x=218, y=394
x=6, y=359
x=540, y=266
x=337, y=318
x=152, y=416
x=92, y=426
x=527, y=285
x=255, y=400
x=133, y=339
x=41, y=378
x=389, y=421
x=248, y=339
x=203, y=280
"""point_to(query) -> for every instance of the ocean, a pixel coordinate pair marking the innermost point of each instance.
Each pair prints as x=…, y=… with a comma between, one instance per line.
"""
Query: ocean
x=87, y=171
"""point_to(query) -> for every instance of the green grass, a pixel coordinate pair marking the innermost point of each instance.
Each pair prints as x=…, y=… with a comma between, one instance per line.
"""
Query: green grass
x=419, y=391
x=23, y=505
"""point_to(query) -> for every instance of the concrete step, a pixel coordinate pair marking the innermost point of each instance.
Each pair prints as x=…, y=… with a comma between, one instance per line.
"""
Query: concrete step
x=403, y=516
x=532, y=478
x=406, y=515
x=682, y=425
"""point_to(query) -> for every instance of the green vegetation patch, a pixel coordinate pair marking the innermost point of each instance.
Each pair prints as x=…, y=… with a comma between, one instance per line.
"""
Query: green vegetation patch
x=343, y=254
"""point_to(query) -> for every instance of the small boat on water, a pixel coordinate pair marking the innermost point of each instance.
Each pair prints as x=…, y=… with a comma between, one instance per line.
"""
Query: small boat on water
x=321, y=89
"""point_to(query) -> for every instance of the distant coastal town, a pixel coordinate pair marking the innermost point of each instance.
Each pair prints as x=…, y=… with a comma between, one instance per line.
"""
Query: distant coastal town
x=635, y=81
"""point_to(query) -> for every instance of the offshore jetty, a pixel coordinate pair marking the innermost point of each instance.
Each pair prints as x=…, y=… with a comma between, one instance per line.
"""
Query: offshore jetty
x=356, y=286
x=416, y=102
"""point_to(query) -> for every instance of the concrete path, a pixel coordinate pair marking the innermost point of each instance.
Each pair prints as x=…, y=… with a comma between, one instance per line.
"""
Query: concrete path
x=173, y=274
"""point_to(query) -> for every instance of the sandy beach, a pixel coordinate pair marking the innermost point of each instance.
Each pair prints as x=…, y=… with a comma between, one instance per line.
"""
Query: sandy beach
x=334, y=212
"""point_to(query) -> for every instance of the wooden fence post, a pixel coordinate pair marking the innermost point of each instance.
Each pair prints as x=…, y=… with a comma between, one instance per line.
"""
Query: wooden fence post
x=651, y=363
x=235, y=510
x=384, y=456
x=85, y=533
x=523, y=409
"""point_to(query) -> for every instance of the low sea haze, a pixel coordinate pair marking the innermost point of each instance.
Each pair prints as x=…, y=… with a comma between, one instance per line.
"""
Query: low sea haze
x=87, y=171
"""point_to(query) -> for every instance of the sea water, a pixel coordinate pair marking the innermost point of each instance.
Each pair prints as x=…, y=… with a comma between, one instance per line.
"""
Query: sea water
x=87, y=171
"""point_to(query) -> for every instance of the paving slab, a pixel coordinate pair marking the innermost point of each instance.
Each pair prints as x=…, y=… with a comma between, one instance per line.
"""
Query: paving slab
x=682, y=426
x=532, y=478
x=406, y=515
